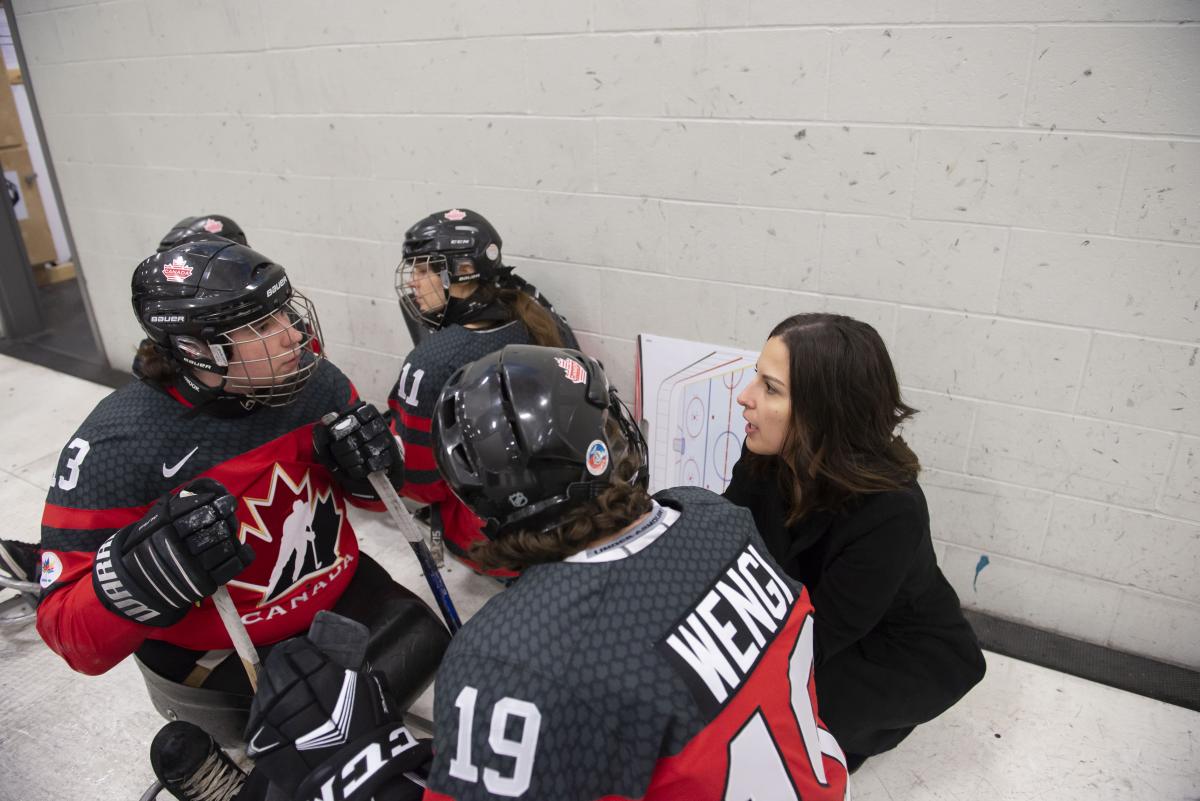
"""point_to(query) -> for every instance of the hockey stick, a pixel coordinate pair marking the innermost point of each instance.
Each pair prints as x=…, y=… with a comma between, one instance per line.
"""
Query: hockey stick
x=237, y=632
x=236, y=629
x=408, y=528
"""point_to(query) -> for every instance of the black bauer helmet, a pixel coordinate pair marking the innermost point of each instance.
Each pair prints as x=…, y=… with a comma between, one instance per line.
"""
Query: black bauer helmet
x=434, y=249
x=521, y=436
x=208, y=226
x=223, y=308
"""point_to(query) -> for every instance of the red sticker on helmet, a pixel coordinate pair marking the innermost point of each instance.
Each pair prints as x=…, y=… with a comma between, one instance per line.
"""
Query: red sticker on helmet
x=177, y=270
x=455, y=215
x=573, y=370
x=213, y=226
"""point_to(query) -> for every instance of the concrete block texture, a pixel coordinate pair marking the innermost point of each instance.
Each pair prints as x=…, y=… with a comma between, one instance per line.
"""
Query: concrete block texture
x=1047, y=181
x=1007, y=192
x=1181, y=494
x=1162, y=191
x=742, y=74
x=990, y=358
x=1143, y=381
x=885, y=75
x=1077, y=456
x=1120, y=78
x=944, y=265
x=1131, y=286
x=1137, y=549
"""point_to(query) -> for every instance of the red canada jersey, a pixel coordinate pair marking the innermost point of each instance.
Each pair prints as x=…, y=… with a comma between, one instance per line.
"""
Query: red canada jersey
x=140, y=444
x=673, y=664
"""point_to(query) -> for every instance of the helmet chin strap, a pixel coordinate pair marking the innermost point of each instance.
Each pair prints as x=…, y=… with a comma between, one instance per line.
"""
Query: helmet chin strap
x=215, y=401
x=460, y=311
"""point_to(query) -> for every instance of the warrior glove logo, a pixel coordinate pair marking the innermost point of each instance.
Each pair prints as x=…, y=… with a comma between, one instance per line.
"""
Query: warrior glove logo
x=117, y=597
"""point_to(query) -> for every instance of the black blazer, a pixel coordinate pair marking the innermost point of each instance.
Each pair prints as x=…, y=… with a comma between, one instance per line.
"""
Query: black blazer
x=874, y=582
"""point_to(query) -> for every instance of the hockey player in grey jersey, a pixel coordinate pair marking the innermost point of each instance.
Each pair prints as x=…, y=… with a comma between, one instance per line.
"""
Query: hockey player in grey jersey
x=651, y=649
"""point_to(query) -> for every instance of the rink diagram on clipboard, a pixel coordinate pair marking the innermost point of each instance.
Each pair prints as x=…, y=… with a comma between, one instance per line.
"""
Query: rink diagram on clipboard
x=689, y=393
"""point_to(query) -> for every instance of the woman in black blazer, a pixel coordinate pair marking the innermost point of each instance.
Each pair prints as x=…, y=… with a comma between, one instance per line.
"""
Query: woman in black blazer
x=833, y=490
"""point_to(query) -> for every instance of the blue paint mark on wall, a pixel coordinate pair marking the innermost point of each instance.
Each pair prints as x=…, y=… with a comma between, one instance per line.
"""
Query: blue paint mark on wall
x=983, y=562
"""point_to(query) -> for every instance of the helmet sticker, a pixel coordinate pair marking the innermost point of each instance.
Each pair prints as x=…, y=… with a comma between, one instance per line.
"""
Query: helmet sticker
x=455, y=215
x=573, y=370
x=52, y=568
x=597, y=458
x=178, y=270
x=213, y=226
x=492, y=252
x=518, y=499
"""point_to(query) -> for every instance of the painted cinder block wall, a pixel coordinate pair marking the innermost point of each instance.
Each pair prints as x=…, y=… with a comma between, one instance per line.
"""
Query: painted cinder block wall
x=1008, y=191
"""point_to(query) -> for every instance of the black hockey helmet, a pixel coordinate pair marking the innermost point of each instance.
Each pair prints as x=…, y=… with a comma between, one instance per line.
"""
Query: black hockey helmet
x=434, y=248
x=199, y=300
x=206, y=226
x=521, y=436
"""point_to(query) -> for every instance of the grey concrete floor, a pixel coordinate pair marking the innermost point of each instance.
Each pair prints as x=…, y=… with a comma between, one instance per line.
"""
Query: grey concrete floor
x=1024, y=733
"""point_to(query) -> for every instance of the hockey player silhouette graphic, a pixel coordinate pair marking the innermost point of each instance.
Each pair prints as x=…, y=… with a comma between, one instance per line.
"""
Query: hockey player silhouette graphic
x=298, y=538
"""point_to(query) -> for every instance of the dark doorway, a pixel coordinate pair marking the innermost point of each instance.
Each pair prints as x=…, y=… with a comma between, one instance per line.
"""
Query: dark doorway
x=44, y=312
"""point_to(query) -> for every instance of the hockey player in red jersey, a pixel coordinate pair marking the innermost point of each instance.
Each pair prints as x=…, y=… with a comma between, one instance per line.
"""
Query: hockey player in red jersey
x=651, y=648
x=232, y=388
x=454, y=283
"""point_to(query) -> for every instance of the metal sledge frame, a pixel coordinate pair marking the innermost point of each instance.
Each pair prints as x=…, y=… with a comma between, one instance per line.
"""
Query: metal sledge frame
x=14, y=577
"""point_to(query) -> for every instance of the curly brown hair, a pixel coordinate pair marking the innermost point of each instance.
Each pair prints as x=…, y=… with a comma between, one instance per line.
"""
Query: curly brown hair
x=845, y=407
x=155, y=364
x=616, y=507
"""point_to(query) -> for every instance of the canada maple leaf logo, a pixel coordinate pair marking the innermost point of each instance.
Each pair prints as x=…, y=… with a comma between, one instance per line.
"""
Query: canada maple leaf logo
x=178, y=270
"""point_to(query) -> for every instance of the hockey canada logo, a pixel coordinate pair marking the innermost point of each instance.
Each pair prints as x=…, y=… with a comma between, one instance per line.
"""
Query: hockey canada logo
x=213, y=226
x=177, y=270
x=51, y=568
x=573, y=370
x=454, y=215
x=302, y=524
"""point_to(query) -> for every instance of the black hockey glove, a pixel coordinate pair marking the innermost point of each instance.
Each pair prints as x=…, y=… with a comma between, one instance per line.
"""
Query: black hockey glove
x=357, y=444
x=322, y=724
x=186, y=546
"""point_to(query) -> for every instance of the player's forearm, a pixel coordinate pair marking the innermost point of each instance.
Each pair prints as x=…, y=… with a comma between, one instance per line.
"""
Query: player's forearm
x=77, y=627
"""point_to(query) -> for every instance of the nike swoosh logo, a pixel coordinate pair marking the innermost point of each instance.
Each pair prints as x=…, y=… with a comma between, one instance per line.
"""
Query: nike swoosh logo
x=168, y=472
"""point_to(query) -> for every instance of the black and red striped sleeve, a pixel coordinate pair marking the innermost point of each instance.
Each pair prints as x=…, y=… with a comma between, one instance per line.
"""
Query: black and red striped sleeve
x=413, y=423
x=86, y=505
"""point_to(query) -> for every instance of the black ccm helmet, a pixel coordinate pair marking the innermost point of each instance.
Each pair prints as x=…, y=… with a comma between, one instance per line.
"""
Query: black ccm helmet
x=206, y=226
x=437, y=246
x=197, y=300
x=521, y=436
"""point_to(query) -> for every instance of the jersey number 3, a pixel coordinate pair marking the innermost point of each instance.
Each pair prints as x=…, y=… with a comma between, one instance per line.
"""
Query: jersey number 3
x=68, y=482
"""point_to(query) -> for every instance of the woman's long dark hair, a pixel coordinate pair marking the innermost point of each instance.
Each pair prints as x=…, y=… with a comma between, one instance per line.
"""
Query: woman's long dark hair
x=543, y=328
x=846, y=405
